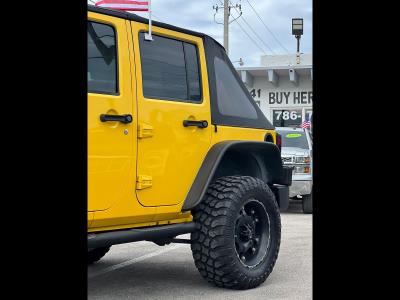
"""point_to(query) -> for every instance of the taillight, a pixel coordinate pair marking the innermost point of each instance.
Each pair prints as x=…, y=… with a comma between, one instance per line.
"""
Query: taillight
x=279, y=141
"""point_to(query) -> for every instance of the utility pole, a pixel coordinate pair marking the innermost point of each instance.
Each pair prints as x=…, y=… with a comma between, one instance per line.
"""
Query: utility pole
x=227, y=13
x=226, y=25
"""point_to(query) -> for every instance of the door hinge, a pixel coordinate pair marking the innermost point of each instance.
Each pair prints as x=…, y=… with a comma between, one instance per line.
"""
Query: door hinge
x=143, y=182
x=144, y=130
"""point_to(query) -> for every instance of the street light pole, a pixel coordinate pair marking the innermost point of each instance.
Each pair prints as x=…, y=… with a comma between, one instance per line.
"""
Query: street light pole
x=298, y=43
x=298, y=37
x=297, y=31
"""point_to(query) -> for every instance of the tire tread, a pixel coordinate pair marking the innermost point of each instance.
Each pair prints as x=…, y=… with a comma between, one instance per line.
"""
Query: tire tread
x=211, y=251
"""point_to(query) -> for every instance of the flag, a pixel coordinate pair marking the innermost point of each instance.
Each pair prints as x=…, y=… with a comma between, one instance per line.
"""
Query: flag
x=305, y=124
x=126, y=5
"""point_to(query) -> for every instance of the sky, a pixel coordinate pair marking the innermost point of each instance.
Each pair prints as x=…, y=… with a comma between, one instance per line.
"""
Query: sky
x=275, y=14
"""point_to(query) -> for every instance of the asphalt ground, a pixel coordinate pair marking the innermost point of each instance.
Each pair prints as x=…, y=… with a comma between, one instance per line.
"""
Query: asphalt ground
x=144, y=270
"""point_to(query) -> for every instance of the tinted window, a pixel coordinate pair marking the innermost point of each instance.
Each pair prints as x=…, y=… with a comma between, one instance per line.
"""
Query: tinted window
x=102, y=67
x=192, y=71
x=231, y=99
x=169, y=69
x=294, y=139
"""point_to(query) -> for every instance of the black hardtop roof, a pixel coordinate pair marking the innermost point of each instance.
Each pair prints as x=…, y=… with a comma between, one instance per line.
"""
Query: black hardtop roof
x=136, y=18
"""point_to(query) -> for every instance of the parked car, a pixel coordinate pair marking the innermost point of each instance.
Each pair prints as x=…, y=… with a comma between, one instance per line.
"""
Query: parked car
x=176, y=145
x=297, y=153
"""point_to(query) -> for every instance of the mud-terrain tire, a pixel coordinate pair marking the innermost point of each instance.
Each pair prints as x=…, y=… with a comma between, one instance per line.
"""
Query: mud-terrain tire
x=96, y=254
x=307, y=204
x=235, y=210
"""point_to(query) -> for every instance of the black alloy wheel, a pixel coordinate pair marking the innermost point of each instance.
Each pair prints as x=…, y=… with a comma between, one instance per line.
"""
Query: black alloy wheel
x=238, y=234
x=252, y=233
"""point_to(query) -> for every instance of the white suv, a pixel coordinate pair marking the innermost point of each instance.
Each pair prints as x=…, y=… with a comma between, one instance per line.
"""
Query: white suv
x=297, y=153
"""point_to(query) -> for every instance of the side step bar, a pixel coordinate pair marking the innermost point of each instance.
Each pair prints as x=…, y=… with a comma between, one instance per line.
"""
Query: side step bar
x=104, y=239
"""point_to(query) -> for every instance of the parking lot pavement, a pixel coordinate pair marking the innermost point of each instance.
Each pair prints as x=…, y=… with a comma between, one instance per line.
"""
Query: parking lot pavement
x=144, y=270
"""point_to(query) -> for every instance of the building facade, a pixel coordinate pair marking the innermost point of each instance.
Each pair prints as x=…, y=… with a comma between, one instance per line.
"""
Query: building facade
x=282, y=87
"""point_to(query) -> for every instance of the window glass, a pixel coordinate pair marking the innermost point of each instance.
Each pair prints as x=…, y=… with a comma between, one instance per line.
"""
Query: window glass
x=102, y=67
x=231, y=99
x=293, y=139
x=192, y=70
x=169, y=69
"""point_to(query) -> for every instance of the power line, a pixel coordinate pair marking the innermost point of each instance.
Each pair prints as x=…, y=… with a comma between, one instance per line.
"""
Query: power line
x=227, y=12
x=273, y=35
x=237, y=22
x=255, y=33
x=245, y=32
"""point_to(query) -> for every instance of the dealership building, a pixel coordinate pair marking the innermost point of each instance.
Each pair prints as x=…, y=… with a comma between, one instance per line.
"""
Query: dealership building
x=282, y=87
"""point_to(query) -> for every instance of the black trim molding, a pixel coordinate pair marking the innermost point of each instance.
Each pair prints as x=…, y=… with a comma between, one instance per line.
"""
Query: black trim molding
x=266, y=155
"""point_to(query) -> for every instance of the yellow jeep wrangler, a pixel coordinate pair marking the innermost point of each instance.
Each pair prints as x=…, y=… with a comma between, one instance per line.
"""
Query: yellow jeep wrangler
x=177, y=145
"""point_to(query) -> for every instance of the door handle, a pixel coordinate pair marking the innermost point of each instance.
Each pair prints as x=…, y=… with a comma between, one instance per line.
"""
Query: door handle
x=200, y=124
x=116, y=118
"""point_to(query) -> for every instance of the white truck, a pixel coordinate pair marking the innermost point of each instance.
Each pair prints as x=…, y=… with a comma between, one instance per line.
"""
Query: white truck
x=297, y=153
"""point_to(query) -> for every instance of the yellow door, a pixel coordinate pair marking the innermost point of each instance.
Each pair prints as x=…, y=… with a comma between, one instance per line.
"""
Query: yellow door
x=112, y=134
x=174, y=128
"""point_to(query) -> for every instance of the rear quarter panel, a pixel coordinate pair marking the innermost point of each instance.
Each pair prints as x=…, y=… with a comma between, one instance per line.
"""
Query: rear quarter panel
x=226, y=133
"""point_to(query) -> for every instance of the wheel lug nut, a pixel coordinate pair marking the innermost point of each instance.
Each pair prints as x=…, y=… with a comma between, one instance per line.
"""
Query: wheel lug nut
x=243, y=258
x=253, y=249
x=256, y=220
x=252, y=211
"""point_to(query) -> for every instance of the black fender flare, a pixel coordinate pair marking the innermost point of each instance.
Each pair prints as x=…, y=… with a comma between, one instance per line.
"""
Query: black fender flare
x=266, y=154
